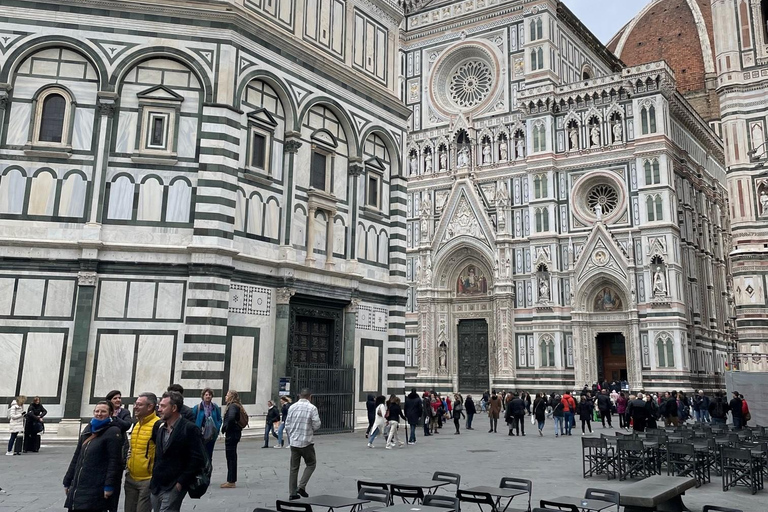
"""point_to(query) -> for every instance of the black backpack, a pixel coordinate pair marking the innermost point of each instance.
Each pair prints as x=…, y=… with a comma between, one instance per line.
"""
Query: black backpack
x=202, y=481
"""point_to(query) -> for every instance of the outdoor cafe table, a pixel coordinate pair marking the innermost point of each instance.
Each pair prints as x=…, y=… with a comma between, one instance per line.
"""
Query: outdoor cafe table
x=427, y=484
x=499, y=493
x=582, y=503
x=405, y=507
x=331, y=502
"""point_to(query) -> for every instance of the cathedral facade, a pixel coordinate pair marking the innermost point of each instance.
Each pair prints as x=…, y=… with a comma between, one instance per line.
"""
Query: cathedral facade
x=207, y=193
x=567, y=214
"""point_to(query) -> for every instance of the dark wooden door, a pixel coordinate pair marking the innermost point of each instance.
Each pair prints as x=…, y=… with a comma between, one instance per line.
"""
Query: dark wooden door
x=312, y=341
x=473, y=355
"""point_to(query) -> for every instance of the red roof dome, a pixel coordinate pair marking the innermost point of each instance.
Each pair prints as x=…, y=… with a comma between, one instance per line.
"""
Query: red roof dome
x=679, y=32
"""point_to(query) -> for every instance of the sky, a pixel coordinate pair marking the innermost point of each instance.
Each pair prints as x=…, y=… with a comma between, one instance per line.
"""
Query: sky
x=605, y=17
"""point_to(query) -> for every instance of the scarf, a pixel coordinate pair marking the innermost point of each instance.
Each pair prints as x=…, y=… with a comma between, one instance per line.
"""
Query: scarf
x=97, y=425
x=208, y=408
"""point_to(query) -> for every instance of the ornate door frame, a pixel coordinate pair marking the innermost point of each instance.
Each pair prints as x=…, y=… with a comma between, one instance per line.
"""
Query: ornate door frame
x=453, y=337
x=586, y=327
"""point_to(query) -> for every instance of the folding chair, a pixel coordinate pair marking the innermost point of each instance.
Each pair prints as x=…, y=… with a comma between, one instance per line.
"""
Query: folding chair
x=288, y=506
x=597, y=458
x=715, y=508
x=374, y=495
x=520, y=484
x=451, y=478
x=684, y=460
x=409, y=494
x=603, y=495
x=633, y=459
x=740, y=469
x=437, y=500
x=478, y=498
x=259, y=509
x=361, y=484
x=553, y=505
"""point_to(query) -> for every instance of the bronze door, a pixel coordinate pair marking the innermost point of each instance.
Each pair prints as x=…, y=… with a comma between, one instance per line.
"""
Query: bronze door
x=312, y=341
x=473, y=355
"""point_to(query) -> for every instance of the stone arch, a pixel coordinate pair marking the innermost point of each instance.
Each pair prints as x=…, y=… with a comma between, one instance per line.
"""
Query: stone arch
x=289, y=106
x=353, y=140
x=19, y=55
x=584, y=300
x=391, y=145
x=162, y=52
x=461, y=247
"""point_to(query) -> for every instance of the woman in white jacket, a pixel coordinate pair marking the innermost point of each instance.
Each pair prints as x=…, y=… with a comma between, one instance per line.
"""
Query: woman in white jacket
x=380, y=420
x=16, y=425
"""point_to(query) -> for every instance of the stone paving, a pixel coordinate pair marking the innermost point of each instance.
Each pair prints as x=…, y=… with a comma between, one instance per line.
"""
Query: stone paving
x=33, y=482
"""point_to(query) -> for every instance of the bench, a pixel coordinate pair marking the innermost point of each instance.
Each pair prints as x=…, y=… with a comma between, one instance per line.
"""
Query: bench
x=656, y=493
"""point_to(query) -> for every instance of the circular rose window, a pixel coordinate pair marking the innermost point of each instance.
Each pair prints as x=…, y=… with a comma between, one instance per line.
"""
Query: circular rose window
x=605, y=196
x=471, y=84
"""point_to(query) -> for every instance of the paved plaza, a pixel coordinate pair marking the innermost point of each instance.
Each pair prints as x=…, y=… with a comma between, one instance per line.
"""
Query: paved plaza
x=33, y=481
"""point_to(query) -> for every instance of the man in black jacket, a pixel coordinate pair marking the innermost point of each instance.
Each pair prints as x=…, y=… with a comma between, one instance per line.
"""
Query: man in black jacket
x=604, y=406
x=370, y=405
x=426, y=412
x=515, y=415
x=412, y=413
x=471, y=410
x=718, y=408
x=639, y=412
x=179, y=455
x=736, y=411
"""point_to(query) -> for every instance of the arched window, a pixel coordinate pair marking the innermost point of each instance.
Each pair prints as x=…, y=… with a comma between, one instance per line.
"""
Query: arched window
x=652, y=173
x=542, y=220
x=648, y=120
x=661, y=353
x=536, y=138
x=534, y=60
x=665, y=351
x=659, y=208
x=536, y=29
x=656, y=173
x=547, y=352
x=655, y=208
x=746, y=29
x=53, y=113
x=539, y=186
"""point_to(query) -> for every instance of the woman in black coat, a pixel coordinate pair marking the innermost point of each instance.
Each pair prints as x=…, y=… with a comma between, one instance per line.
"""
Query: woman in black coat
x=95, y=473
x=586, y=408
x=469, y=408
x=33, y=426
x=370, y=405
x=540, y=411
x=232, y=434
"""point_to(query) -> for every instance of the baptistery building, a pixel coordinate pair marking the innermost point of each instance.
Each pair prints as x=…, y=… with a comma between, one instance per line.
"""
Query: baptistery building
x=567, y=214
x=206, y=193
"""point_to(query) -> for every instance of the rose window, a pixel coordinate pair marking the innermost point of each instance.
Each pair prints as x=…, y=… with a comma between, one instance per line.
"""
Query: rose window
x=605, y=196
x=471, y=83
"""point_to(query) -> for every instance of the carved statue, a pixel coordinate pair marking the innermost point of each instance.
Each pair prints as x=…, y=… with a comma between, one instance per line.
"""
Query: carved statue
x=428, y=164
x=764, y=203
x=487, y=154
x=659, y=282
x=425, y=226
x=428, y=270
x=543, y=289
x=443, y=161
x=599, y=211
x=426, y=205
x=496, y=269
x=594, y=133
x=573, y=136
x=520, y=148
x=503, y=150
x=618, y=134
x=414, y=165
x=442, y=357
x=508, y=269
x=463, y=159
x=502, y=195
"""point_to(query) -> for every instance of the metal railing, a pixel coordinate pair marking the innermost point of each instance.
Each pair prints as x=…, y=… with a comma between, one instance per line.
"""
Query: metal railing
x=333, y=393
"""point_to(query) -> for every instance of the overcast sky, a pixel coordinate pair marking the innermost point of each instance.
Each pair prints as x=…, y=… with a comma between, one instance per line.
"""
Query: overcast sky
x=605, y=17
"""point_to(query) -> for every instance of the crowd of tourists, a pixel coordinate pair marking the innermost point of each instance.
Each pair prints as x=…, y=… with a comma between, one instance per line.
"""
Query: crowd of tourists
x=601, y=403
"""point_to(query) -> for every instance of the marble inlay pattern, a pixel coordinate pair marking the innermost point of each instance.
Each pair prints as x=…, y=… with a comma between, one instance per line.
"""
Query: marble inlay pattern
x=371, y=318
x=249, y=300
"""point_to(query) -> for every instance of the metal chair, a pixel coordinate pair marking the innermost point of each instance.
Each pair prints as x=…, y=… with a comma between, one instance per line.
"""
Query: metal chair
x=260, y=509
x=740, y=469
x=451, y=478
x=289, y=506
x=409, y=494
x=520, y=484
x=715, y=508
x=633, y=460
x=553, y=505
x=597, y=458
x=684, y=460
x=478, y=498
x=437, y=500
x=374, y=485
x=603, y=495
x=379, y=495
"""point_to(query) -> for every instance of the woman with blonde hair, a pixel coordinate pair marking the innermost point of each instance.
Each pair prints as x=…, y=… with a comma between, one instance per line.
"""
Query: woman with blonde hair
x=232, y=434
x=16, y=424
x=285, y=403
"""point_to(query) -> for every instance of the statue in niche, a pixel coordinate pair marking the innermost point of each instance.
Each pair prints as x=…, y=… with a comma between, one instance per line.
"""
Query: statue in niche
x=426, y=205
x=573, y=137
x=496, y=269
x=508, y=269
x=503, y=150
x=428, y=270
x=659, y=282
x=502, y=195
x=618, y=134
x=520, y=148
x=594, y=133
x=443, y=161
x=487, y=154
x=764, y=203
x=543, y=288
x=428, y=163
x=442, y=356
x=414, y=165
x=463, y=159
x=599, y=211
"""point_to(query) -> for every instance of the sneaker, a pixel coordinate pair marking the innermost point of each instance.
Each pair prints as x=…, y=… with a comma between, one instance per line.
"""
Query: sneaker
x=388, y=447
x=401, y=443
x=301, y=492
x=541, y=433
x=294, y=497
x=410, y=442
x=9, y=453
x=228, y=485
x=277, y=446
x=370, y=445
x=557, y=435
x=583, y=434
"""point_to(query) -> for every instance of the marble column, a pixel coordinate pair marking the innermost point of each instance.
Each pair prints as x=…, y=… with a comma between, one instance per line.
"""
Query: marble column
x=329, y=241
x=107, y=104
x=290, y=148
x=310, y=258
x=282, y=320
x=354, y=171
x=5, y=90
x=86, y=286
x=350, y=321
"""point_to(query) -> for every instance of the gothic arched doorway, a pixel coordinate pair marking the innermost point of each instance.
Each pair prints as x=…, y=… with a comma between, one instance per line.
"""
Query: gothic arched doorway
x=473, y=364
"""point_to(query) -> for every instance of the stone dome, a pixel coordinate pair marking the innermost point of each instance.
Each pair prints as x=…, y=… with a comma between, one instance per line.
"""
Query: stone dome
x=679, y=32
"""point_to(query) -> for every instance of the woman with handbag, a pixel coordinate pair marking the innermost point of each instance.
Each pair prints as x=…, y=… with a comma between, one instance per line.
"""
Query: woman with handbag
x=540, y=411
x=16, y=415
x=34, y=427
x=586, y=410
x=208, y=420
x=379, y=421
x=232, y=433
x=458, y=411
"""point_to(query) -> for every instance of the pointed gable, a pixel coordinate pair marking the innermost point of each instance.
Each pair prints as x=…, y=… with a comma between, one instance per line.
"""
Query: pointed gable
x=463, y=215
x=160, y=93
x=601, y=253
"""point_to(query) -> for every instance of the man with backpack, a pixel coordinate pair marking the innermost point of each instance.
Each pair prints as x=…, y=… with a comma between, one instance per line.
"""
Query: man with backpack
x=737, y=413
x=179, y=455
x=718, y=409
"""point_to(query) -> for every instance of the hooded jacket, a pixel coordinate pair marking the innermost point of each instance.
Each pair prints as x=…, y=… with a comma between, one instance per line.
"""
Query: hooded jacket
x=569, y=404
x=16, y=417
x=413, y=408
x=142, y=455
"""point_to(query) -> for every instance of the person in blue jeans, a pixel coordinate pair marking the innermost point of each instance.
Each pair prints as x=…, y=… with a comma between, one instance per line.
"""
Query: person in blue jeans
x=569, y=408
x=557, y=415
x=285, y=403
x=471, y=410
x=413, y=409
